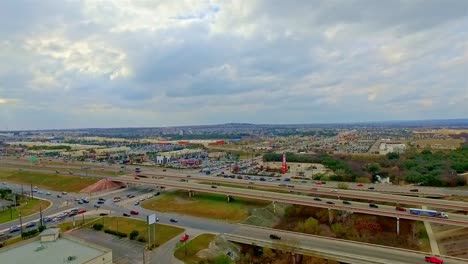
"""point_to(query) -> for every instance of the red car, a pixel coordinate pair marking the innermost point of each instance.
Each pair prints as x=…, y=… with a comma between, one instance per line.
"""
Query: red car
x=399, y=208
x=184, y=238
x=432, y=259
x=360, y=185
x=318, y=183
x=81, y=211
x=133, y=212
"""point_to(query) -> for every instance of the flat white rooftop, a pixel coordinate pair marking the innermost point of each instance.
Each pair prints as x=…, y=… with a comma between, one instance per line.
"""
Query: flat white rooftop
x=63, y=250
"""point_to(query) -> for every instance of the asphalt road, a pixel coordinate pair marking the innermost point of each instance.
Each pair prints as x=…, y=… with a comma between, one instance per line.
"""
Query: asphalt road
x=363, y=193
x=336, y=246
x=454, y=219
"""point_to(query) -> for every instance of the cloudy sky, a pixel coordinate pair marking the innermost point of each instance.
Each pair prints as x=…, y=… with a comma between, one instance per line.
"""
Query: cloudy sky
x=125, y=63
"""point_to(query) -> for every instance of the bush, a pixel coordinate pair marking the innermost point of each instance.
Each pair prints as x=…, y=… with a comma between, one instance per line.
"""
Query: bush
x=342, y=185
x=134, y=234
x=30, y=233
x=141, y=239
x=115, y=233
x=98, y=227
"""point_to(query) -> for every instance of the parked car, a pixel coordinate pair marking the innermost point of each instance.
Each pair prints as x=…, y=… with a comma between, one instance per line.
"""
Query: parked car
x=273, y=236
x=360, y=185
x=59, y=196
x=432, y=259
x=48, y=193
x=96, y=206
x=399, y=208
x=346, y=202
x=373, y=205
x=137, y=203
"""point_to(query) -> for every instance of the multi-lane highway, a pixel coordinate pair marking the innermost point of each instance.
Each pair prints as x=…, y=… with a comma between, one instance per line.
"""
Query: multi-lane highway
x=454, y=219
x=337, y=249
x=319, y=190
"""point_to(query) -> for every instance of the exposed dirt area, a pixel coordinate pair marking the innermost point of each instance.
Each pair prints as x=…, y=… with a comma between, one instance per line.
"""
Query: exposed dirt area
x=452, y=241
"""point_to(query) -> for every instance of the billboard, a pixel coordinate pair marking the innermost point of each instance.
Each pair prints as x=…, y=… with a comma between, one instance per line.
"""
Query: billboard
x=151, y=219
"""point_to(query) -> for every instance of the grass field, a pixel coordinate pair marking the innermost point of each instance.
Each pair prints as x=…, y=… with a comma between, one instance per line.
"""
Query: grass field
x=26, y=208
x=204, y=205
x=56, y=182
x=434, y=143
x=77, y=171
x=187, y=252
x=78, y=222
x=127, y=225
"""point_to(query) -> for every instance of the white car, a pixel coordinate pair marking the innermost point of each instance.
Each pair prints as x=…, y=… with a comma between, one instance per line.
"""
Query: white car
x=48, y=193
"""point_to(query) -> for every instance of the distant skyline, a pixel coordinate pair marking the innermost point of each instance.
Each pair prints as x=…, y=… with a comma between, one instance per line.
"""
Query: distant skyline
x=81, y=64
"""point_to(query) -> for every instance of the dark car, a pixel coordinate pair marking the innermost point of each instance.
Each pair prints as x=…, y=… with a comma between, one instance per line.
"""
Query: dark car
x=101, y=202
x=126, y=214
x=273, y=236
x=346, y=202
x=15, y=229
x=173, y=220
x=371, y=188
x=414, y=190
x=330, y=202
x=214, y=187
x=317, y=199
x=103, y=214
x=156, y=194
x=373, y=205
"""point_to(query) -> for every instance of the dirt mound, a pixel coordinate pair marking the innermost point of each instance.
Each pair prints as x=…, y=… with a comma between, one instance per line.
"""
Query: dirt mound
x=103, y=185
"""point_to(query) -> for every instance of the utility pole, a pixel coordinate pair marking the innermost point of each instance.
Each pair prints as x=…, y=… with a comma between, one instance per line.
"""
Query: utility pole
x=21, y=225
x=32, y=196
x=41, y=223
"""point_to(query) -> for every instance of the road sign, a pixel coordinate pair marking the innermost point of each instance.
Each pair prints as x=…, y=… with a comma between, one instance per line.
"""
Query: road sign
x=151, y=219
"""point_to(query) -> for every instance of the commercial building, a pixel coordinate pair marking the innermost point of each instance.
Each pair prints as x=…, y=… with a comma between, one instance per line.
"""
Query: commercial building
x=51, y=247
x=388, y=147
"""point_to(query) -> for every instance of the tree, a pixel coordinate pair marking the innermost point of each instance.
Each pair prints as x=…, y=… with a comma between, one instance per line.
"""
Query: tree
x=342, y=185
x=311, y=226
x=134, y=234
x=393, y=156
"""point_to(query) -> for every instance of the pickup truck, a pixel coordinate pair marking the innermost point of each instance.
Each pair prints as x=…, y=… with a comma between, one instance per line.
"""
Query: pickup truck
x=432, y=259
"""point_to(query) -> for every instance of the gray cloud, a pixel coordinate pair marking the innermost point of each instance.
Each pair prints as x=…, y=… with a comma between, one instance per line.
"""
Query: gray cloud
x=126, y=63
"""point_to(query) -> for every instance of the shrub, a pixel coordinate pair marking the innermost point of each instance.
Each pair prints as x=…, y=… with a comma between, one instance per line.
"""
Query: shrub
x=115, y=233
x=29, y=233
x=141, y=239
x=134, y=234
x=98, y=227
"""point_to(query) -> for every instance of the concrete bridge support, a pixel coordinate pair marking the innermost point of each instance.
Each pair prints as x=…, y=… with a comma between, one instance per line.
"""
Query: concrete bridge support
x=229, y=198
x=398, y=226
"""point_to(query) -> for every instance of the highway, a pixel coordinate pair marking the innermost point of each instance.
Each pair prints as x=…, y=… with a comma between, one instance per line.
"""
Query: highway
x=319, y=190
x=352, y=252
x=423, y=190
x=337, y=249
x=454, y=219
